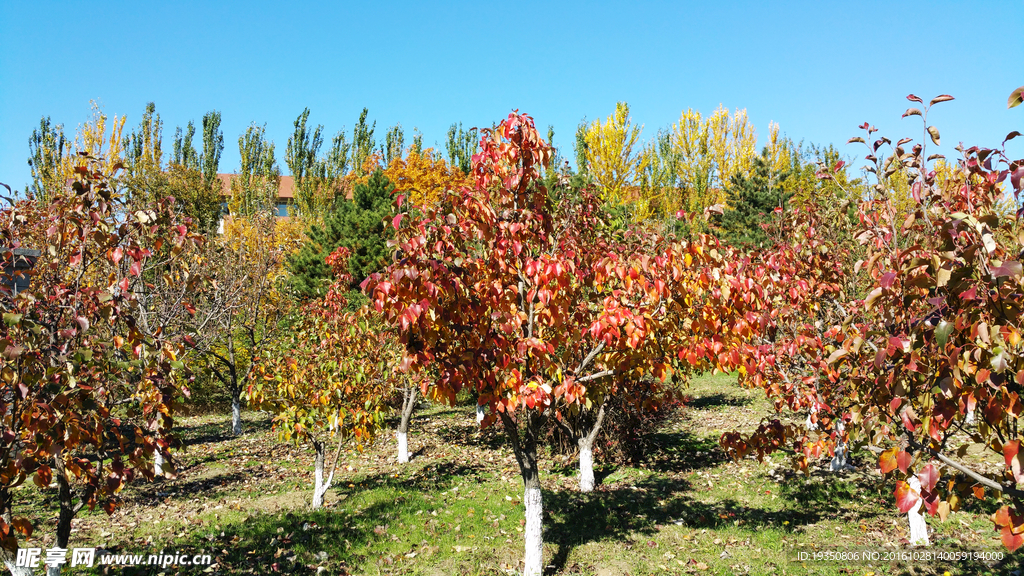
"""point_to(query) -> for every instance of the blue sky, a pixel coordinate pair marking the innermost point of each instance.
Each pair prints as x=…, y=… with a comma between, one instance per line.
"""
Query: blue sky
x=817, y=68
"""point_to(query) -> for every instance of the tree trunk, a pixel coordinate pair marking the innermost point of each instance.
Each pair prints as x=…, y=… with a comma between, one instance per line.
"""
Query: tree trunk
x=586, y=445
x=526, y=456
x=918, y=526
x=236, y=411
x=408, y=405
x=67, y=509
x=321, y=484
x=318, y=476
x=10, y=557
x=479, y=414
x=158, y=462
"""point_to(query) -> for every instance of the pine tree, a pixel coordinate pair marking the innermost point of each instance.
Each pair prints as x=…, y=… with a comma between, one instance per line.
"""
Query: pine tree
x=752, y=198
x=357, y=224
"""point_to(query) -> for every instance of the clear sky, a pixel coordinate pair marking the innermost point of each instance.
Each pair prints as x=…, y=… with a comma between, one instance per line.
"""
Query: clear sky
x=817, y=68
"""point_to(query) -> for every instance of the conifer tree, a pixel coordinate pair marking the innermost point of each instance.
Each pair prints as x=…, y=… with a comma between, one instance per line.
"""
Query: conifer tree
x=752, y=198
x=357, y=224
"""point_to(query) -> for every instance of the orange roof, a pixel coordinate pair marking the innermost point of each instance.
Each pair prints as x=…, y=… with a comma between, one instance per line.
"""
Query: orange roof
x=284, y=190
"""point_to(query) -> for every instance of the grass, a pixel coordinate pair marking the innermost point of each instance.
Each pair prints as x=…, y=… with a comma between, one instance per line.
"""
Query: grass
x=456, y=508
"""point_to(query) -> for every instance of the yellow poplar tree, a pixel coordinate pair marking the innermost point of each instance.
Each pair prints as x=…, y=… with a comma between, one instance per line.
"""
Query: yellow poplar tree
x=610, y=154
x=710, y=151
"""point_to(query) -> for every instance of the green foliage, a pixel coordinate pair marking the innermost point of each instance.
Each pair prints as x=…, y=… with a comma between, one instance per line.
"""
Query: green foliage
x=213, y=146
x=301, y=157
x=47, y=147
x=362, y=142
x=581, y=147
x=183, y=153
x=255, y=188
x=460, y=146
x=356, y=224
x=394, y=143
x=752, y=198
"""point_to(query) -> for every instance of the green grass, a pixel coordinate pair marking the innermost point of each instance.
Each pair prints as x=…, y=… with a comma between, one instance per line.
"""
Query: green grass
x=456, y=508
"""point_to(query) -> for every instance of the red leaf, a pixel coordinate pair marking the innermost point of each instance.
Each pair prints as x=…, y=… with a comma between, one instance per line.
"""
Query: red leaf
x=929, y=476
x=136, y=268
x=397, y=221
x=903, y=460
x=914, y=98
x=1011, y=452
x=906, y=498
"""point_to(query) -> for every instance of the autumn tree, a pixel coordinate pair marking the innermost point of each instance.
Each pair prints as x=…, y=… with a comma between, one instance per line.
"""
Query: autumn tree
x=254, y=189
x=709, y=152
x=88, y=395
x=933, y=342
x=301, y=155
x=424, y=176
x=614, y=155
x=239, y=307
x=492, y=292
x=329, y=377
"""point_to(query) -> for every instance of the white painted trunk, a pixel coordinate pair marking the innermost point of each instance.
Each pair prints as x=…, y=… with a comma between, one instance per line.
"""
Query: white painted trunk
x=18, y=570
x=158, y=463
x=970, y=418
x=534, y=557
x=53, y=571
x=403, y=447
x=318, y=483
x=586, y=467
x=236, y=416
x=839, y=460
x=918, y=527
x=479, y=414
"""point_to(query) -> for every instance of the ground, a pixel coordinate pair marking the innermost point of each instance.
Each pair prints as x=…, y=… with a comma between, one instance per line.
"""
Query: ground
x=456, y=508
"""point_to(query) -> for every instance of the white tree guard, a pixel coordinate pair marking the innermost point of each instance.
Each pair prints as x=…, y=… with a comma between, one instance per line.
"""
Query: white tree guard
x=403, y=447
x=586, y=468
x=534, y=557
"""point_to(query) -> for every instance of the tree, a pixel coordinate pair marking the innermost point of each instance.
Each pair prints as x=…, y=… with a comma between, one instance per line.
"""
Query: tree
x=751, y=200
x=239, y=308
x=933, y=342
x=394, y=144
x=460, y=146
x=610, y=154
x=301, y=157
x=362, y=143
x=88, y=395
x=492, y=291
x=356, y=224
x=709, y=152
x=254, y=189
x=48, y=149
x=213, y=146
x=329, y=377
x=424, y=177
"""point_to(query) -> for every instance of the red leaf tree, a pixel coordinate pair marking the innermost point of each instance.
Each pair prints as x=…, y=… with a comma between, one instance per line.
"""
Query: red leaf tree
x=543, y=315
x=85, y=392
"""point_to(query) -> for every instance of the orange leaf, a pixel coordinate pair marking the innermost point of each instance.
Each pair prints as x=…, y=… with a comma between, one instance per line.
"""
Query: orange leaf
x=887, y=461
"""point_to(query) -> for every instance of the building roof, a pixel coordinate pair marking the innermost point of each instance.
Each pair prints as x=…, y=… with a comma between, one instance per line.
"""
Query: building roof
x=285, y=190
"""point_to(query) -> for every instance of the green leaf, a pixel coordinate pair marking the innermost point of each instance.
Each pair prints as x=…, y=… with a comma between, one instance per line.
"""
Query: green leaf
x=12, y=319
x=942, y=332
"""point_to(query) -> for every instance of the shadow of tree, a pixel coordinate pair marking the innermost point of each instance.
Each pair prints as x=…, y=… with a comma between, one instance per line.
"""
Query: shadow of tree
x=622, y=513
x=717, y=400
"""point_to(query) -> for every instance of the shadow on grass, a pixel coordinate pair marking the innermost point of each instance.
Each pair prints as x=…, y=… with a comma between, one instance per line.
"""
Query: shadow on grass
x=717, y=400
x=621, y=513
x=343, y=538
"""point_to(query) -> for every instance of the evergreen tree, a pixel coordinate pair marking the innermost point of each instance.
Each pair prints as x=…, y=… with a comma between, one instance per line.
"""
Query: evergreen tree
x=752, y=198
x=357, y=224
